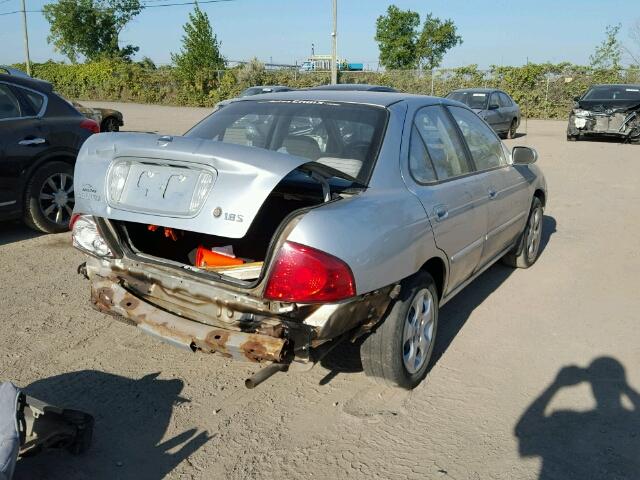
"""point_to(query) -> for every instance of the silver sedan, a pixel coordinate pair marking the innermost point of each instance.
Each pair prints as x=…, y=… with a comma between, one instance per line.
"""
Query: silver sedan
x=284, y=224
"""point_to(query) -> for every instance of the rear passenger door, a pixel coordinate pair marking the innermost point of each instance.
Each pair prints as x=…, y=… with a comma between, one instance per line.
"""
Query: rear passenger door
x=443, y=179
x=504, y=186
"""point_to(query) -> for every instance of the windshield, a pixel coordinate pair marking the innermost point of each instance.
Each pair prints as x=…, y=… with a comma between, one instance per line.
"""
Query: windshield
x=613, y=92
x=343, y=136
x=477, y=100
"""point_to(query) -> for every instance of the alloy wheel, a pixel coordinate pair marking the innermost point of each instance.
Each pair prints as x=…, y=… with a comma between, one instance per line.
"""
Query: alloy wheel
x=417, y=333
x=57, y=198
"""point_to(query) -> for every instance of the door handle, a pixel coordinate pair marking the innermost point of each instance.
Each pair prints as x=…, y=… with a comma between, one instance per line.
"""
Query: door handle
x=492, y=194
x=32, y=141
x=441, y=213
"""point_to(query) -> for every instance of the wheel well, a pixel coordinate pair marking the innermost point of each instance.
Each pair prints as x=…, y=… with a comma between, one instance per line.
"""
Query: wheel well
x=436, y=268
x=540, y=194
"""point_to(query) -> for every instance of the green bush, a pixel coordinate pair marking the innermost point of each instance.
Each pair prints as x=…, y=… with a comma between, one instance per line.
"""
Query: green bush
x=542, y=90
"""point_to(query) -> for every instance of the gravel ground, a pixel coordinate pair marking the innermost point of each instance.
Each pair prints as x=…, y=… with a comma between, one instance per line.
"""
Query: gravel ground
x=499, y=402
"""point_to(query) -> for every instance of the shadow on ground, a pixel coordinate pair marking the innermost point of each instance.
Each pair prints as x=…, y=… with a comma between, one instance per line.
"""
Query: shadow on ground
x=131, y=418
x=345, y=358
x=585, y=445
x=11, y=232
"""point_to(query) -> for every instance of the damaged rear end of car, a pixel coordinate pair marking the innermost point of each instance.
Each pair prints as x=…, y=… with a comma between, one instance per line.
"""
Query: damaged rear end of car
x=188, y=236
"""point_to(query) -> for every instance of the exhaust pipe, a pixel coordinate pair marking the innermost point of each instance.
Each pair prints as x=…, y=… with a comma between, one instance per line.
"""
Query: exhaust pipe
x=263, y=374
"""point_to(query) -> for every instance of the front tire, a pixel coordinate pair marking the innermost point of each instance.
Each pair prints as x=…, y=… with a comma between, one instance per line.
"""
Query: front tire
x=398, y=352
x=526, y=252
x=513, y=128
x=49, y=198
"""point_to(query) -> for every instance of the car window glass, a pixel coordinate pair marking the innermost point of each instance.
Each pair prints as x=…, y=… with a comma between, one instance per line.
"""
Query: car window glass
x=35, y=100
x=419, y=160
x=485, y=147
x=9, y=104
x=495, y=99
x=505, y=100
x=343, y=136
x=442, y=142
x=307, y=137
x=250, y=130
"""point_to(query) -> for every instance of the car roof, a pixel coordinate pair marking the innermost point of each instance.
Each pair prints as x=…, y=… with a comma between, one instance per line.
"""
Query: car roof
x=381, y=99
x=28, y=82
x=354, y=87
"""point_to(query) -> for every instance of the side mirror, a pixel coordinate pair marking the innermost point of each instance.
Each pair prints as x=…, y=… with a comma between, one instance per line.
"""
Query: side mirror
x=576, y=98
x=494, y=106
x=524, y=155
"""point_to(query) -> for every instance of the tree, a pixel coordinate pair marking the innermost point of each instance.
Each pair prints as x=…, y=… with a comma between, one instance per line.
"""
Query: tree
x=90, y=27
x=252, y=73
x=396, y=37
x=634, y=35
x=437, y=37
x=200, y=55
x=608, y=54
x=403, y=46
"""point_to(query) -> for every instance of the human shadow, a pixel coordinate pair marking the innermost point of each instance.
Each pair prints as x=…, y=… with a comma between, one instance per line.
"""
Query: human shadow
x=602, y=443
x=131, y=418
x=11, y=232
x=345, y=358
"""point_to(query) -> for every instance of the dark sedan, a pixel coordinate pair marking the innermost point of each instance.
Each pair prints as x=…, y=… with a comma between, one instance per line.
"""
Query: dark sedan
x=607, y=111
x=494, y=106
x=40, y=135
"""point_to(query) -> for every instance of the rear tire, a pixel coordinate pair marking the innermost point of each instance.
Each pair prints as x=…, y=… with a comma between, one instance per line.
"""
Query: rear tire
x=529, y=244
x=398, y=352
x=49, y=198
x=110, y=124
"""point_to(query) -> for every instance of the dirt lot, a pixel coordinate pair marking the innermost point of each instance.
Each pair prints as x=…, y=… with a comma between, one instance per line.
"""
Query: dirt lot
x=161, y=412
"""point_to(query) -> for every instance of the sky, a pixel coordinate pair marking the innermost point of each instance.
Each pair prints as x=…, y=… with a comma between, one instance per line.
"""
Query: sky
x=498, y=32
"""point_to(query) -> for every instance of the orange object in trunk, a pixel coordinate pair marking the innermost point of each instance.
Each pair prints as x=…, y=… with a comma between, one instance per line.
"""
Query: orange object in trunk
x=207, y=258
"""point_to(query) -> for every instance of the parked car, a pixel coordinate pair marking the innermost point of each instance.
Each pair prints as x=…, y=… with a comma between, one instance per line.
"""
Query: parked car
x=606, y=111
x=40, y=135
x=494, y=106
x=354, y=87
x=264, y=89
x=282, y=224
x=110, y=120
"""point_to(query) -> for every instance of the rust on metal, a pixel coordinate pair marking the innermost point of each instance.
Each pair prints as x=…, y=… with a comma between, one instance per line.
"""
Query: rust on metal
x=111, y=298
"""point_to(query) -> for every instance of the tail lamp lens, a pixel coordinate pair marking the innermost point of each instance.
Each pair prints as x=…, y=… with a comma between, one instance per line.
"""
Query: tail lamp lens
x=87, y=238
x=90, y=125
x=306, y=275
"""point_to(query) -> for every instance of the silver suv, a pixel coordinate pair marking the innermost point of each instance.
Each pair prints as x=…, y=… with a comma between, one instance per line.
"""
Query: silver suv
x=284, y=224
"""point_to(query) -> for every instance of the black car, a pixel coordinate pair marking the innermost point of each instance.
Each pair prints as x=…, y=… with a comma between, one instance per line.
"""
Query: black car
x=606, y=110
x=40, y=135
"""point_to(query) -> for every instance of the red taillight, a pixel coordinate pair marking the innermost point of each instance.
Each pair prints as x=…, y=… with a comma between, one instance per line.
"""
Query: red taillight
x=90, y=125
x=73, y=220
x=304, y=274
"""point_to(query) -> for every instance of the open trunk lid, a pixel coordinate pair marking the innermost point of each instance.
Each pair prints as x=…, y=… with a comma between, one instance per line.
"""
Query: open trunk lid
x=179, y=182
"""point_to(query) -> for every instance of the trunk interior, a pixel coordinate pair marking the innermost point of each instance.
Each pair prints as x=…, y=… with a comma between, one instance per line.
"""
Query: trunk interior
x=294, y=192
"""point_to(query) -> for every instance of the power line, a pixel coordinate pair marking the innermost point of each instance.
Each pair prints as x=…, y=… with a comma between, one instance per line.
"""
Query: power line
x=143, y=4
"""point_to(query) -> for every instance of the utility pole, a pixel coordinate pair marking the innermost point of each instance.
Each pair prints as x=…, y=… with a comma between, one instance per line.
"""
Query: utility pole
x=334, y=45
x=26, y=38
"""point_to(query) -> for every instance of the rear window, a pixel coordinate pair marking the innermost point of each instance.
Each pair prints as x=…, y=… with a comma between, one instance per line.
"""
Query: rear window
x=610, y=92
x=477, y=100
x=343, y=136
